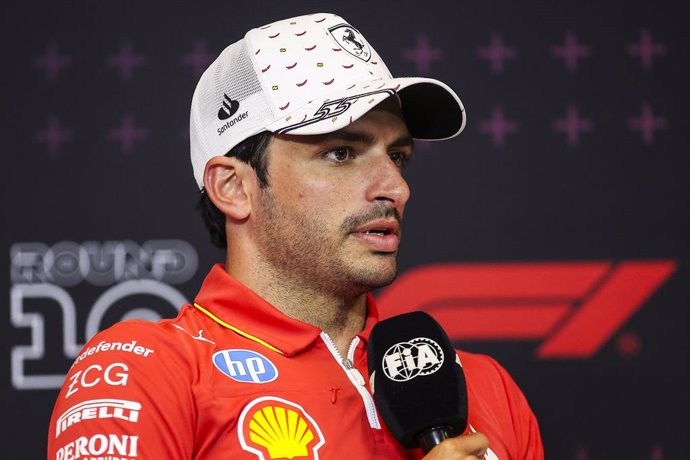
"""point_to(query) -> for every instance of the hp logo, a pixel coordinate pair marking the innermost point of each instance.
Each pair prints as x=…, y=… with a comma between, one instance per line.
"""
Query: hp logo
x=245, y=366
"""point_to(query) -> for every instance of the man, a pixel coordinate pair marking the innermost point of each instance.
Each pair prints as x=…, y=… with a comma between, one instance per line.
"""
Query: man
x=299, y=135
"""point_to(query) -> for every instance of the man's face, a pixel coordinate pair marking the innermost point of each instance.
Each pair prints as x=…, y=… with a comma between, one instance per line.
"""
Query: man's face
x=330, y=216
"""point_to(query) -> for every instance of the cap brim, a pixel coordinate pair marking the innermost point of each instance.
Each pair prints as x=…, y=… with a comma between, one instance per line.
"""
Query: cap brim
x=432, y=110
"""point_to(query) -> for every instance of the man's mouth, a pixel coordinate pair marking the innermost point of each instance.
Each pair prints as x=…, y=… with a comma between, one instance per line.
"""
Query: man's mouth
x=381, y=231
x=381, y=235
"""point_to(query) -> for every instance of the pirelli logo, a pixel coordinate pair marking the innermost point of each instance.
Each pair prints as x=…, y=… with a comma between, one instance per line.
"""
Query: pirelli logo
x=98, y=409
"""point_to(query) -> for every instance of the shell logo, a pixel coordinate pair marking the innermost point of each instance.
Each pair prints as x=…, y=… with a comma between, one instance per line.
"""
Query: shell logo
x=275, y=428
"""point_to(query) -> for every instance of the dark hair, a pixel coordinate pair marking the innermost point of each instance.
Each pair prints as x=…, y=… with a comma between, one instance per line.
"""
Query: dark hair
x=251, y=151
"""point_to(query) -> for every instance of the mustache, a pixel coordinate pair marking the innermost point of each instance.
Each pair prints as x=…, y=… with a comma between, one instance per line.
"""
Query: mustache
x=380, y=211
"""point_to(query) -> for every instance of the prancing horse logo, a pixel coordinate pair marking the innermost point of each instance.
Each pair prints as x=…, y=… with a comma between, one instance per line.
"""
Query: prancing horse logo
x=351, y=41
x=350, y=37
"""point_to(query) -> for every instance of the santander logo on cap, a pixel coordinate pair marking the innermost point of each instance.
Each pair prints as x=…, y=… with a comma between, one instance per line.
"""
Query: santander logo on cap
x=228, y=108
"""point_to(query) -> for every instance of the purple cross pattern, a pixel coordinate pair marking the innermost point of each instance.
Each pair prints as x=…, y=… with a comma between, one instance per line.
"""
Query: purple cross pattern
x=646, y=50
x=126, y=61
x=498, y=126
x=127, y=134
x=422, y=54
x=52, y=62
x=496, y=53
x=570, y=51
x=199, y=58
x=571, y=125
x=53, y=136
x=647, y=124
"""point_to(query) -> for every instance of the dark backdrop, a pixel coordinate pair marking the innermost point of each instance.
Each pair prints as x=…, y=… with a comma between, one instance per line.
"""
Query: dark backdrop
x=553, y=234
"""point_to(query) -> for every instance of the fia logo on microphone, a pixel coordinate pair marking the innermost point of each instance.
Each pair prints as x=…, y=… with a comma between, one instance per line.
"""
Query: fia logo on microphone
x=406, y=360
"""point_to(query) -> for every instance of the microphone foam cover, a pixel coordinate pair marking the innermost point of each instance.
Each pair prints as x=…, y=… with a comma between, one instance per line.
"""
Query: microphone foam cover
x=415, y=376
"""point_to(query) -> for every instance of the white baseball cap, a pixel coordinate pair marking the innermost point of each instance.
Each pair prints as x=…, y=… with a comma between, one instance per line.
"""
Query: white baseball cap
x=310, y=74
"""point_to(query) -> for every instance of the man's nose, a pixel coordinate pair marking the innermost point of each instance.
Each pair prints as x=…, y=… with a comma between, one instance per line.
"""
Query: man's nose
x=387, y=183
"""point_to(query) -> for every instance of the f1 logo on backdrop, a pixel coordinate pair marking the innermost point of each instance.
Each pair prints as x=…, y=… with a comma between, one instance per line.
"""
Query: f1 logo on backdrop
x=572, y=307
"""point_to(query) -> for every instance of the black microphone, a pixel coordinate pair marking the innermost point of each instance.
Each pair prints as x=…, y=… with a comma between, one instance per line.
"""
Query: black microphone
x=417, y=381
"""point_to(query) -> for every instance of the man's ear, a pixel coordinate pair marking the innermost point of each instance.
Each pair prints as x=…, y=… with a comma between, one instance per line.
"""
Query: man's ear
x=229, y=182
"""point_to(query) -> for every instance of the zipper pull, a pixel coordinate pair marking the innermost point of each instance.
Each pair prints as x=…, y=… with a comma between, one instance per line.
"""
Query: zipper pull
x=352, y=370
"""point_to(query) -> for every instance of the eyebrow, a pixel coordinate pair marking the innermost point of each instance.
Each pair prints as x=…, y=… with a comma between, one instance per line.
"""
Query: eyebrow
x=366, y=138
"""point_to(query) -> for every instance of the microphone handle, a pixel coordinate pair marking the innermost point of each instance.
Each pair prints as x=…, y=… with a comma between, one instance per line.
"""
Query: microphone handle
x=433, y=437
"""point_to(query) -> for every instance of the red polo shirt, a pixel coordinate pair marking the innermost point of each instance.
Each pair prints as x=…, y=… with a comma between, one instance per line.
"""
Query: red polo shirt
x=231, y=377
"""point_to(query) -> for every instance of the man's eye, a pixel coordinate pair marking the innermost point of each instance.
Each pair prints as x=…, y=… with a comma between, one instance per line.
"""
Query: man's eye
x=399, y=158
x=339, y=155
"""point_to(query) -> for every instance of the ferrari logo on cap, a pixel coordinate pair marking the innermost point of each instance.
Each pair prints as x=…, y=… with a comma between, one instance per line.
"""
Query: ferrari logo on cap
x=351, y=41
x=274, y=428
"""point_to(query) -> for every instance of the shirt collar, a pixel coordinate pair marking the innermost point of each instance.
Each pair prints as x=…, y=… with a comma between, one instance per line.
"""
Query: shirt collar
x=237, y=307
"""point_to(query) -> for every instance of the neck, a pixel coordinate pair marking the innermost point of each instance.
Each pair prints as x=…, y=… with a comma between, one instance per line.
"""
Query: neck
x=340, y=318
x=340, y=315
